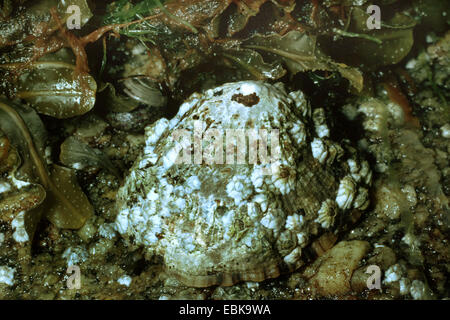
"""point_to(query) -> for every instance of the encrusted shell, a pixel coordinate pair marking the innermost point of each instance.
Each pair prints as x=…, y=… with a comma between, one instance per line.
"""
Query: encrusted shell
x=217, y=224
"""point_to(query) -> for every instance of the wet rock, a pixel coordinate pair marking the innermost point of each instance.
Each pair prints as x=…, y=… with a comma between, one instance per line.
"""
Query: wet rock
x=331, y=274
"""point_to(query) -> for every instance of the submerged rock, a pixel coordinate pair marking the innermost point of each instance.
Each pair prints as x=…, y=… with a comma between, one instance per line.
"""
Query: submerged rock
x=217, y=221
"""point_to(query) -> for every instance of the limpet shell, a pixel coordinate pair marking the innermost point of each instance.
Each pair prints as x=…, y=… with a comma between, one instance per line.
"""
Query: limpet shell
x=218, y=224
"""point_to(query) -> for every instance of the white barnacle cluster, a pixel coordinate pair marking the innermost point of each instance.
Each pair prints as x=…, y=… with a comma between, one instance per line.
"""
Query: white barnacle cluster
x=319, y=150
x=7, y=275
x=326, y=214
x=217, y=223
x=75, y=255
x=346, y=192
x=397, y=275
x=239, y=188
x=323, y=148
x=18, y=224
x=353, y=189
x=283, y=176
x=320, y=123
